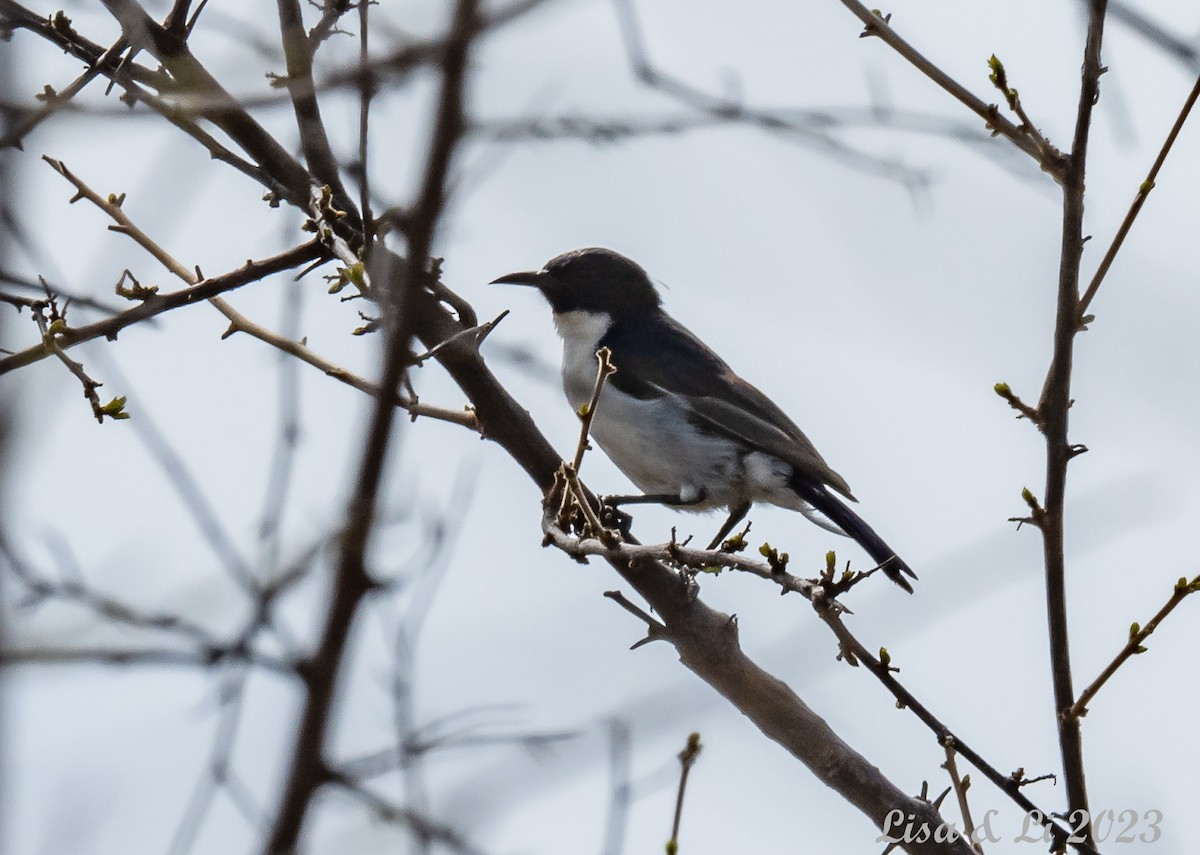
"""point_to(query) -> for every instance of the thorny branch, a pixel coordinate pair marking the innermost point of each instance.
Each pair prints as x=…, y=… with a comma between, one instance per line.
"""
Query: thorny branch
x=829, y=610
x=201, y=288
x=308, y=767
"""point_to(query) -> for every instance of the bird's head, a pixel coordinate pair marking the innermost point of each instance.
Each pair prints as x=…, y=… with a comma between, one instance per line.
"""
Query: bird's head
x=591, y=280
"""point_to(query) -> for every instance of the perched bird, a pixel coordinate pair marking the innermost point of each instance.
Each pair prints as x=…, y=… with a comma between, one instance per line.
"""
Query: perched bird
x=687, y=430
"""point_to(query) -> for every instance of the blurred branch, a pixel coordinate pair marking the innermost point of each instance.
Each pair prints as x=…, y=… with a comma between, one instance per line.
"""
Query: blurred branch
x=123, y=657
x=308, y=766
x=725, y=109
x=620, y=789
x=1156, y=34
x=422, y=826
x=375, y=763
x=53, y=101
x=201, y=511
x=687, y=759
x=21, y=283
x=618, y=129
x=220, y=774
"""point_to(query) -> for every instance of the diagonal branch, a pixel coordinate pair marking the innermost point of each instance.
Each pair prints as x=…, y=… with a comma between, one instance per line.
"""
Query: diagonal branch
x=1133, y=646
x=877, y=25
x=298, y=51
x=1136, y=206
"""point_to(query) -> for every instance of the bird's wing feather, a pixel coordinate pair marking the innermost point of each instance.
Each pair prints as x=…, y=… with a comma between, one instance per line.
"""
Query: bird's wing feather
x=660, y=357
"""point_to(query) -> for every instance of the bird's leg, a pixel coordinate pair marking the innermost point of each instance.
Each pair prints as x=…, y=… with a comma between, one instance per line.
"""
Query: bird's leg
x=673, y=500
x=650, y=499
x=737, y=513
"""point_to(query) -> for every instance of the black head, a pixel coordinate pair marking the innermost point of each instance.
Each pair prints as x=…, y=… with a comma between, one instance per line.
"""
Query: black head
x=593, y=279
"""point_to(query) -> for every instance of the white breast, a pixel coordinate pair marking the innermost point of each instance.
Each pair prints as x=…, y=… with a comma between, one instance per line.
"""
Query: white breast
x=654, y=443
x=581, y=333
x=649, y=440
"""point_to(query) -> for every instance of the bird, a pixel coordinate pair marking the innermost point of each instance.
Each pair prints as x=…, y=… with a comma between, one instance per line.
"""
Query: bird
x=674, y=417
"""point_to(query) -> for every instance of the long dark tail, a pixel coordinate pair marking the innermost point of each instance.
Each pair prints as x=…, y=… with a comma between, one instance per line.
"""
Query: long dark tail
x=854, y=526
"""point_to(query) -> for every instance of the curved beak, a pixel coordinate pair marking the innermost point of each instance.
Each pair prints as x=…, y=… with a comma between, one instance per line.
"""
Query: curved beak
x=531, y=278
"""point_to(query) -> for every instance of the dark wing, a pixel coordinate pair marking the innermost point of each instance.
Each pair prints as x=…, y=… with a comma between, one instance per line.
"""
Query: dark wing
x=657, y=356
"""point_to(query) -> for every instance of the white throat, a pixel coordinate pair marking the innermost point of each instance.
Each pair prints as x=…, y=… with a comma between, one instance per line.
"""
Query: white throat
x=581, y=332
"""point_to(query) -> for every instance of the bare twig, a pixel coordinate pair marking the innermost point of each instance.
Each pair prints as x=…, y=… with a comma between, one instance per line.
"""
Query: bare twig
x=1134, y=645
x=687, y=759
x=604, y=367
x=1136, y=206
x=202, y=288
x=725, y=109
x=672, y=554
x=854, y=652
x=877, y=25
x=114, y=409
x=960, y=785
x=1026, y=411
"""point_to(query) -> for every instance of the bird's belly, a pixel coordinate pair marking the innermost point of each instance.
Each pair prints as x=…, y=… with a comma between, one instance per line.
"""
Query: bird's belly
x=653, y=442
x=660, y=451
x=656, y=448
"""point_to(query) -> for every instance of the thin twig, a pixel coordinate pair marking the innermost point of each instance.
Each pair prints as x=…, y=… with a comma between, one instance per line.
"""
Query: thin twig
x=366, y=91
x=960, y=786
x=670, y=553
x=687, y=759
x=877, y=25
x=1134, y=645
x=1026, y=411
x=115, y=409
x=724, y=109
x=1136, y=206
x=854, y=652
x=604, y=367
x=999, y=78
x=154, y=304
